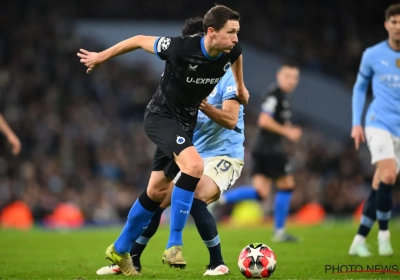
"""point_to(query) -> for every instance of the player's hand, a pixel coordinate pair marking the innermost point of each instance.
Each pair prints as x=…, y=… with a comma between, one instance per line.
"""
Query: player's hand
x=15, y=144
x=357, y=133
x=243, y=95
x=203, y=104
x=91, y=60
x=293, y=133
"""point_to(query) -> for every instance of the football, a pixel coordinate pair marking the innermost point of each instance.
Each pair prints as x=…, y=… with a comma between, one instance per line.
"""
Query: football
x=257, y=261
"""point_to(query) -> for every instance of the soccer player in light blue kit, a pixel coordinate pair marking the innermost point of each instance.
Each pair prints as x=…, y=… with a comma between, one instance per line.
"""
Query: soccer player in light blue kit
x=381, y=65
x=218, y=137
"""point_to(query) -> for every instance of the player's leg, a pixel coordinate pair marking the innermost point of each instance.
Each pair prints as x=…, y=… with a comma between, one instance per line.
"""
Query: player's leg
x=140, y=244
x=387, y=171
x=219, y=174
x=358, y=246
x=285, y=185
x=383, y=154
x=176, y=144
x=138, y=219
x=260, y=188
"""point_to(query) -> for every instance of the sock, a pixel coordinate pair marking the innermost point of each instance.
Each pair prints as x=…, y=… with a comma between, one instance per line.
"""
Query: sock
x=140, y=244
x=368, y=217
x=207, y=228
x=281, y=208
x=383, y=205
x=181, y=202
x=138, y=219
x=240, y=194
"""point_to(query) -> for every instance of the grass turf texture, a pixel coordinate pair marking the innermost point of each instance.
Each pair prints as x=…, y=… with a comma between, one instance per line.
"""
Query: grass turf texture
x=46, y=254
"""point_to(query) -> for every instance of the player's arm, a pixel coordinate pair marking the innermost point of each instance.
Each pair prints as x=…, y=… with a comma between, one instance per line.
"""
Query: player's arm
x=360, y=89
x=266, y=121
x=10, y=135
x=359, y=96
x=237, y=70
x=227, y=116
x=93, y=60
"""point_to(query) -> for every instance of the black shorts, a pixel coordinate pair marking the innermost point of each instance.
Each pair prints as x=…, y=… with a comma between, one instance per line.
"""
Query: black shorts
x=170, y=139
x=274, y=164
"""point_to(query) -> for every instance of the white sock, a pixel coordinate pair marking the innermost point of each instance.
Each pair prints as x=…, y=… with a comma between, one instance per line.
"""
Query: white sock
x=383, y=234
x=359, y=239
x=280, y=231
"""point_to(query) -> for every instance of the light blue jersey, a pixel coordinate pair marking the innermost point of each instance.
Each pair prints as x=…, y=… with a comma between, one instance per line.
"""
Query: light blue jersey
x=381, y=64
x=212, y=139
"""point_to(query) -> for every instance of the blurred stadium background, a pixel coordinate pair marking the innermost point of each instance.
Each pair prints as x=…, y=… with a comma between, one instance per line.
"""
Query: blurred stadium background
x=85, y=157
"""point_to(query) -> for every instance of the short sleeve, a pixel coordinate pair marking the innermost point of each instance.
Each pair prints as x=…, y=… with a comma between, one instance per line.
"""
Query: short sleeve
x=169, y=48
x=235, y=52
x=269, y=104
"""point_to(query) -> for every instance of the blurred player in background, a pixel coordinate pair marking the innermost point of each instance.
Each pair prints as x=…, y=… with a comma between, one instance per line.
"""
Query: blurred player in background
x=219, y=137
x=270, y=160
x=381, y=65
x=10, y=136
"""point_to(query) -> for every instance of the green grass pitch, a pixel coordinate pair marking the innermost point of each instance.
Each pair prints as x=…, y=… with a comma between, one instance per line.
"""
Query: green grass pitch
x=46, y=254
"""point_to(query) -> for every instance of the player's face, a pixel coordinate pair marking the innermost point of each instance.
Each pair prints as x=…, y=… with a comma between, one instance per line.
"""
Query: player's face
x=288, y=78
x=226, y=38
x=392, y=26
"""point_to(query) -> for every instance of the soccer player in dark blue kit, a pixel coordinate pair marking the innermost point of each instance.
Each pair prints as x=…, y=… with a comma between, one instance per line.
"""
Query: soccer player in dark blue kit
x=381, y=65
x=194, y=65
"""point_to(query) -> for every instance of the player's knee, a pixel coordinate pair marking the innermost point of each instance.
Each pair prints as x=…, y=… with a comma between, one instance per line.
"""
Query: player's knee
x=388, y=177
x=262, y=193
x=157, y=194
x=286, y=183
x=194, y=167
x=207, y=197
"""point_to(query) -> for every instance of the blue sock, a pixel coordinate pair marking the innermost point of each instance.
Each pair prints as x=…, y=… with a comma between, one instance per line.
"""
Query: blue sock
x=282, y=207
x=181, y=202
x=240, y=194
x=140, y=244
x=138, y=219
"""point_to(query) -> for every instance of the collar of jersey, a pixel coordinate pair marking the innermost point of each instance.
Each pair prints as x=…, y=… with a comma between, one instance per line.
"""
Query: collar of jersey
x=203, y=49
x=388, y=45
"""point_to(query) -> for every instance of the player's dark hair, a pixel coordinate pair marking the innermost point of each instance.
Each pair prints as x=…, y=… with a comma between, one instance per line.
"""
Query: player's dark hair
x=392, y=10
x=217, y=17
x=192, y=26
x=290, y=63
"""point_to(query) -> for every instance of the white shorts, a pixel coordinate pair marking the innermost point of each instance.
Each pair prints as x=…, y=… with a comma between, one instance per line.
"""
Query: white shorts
x=223, y=170
x=382, y=145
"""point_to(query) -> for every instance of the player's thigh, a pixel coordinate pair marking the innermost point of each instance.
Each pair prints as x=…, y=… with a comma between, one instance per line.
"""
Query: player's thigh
x=381, y=145
x=207, y=190
x=166, y=133
x=158, y=186
x=220, y=173
x=174, y=142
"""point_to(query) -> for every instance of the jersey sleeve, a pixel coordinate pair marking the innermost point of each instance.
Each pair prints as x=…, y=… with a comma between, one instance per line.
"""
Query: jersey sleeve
x=269, y=104
x=366, y=69
x=169, y=48
x=235, y=52
x=229, y=88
